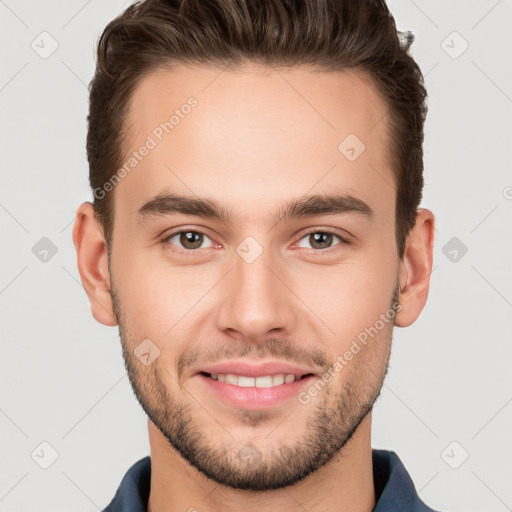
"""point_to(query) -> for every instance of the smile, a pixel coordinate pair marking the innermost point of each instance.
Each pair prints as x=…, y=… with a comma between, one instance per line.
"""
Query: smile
x=264, y=381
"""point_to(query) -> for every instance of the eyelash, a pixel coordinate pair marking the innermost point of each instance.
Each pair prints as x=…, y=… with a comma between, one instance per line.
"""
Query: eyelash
x=192, y=252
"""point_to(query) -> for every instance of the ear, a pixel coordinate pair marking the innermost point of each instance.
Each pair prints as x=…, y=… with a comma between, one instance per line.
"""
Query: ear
x=91, y=250
x=415, y=269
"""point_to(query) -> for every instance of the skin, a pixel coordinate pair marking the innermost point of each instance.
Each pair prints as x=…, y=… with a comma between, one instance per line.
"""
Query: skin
x=257, y=139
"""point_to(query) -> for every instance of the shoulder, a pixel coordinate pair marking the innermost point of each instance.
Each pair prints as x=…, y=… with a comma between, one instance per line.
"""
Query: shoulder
x=133, y=491
x=394, y=488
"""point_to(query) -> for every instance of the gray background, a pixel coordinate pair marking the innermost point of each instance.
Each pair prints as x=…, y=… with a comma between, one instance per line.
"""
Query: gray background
x=448, y=395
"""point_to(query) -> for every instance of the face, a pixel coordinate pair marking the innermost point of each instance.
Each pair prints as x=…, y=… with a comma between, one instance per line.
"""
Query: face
x=251, y=252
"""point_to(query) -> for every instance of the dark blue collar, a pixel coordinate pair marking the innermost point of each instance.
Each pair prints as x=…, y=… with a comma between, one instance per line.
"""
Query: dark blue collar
x=394, y=489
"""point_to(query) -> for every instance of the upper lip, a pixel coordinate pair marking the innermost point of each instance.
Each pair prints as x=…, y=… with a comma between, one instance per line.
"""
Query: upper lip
x=255, y=370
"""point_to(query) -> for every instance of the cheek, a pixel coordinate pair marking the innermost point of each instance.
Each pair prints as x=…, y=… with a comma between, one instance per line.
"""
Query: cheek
x=348, y=298
x=146, y=297
x=158, y=301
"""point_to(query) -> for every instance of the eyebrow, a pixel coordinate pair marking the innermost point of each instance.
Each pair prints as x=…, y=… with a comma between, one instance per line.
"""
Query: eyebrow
x=308, y=206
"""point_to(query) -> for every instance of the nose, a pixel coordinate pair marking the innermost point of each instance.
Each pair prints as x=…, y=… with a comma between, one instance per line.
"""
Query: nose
x=256, y=303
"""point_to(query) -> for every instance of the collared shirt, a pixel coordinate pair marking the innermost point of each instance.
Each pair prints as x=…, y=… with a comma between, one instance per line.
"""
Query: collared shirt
x=394, y=489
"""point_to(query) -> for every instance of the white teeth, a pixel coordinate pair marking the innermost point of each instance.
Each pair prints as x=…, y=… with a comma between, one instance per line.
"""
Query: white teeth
x=245, y=382
x=277, y=380
x=265, y=381
x=231, y=379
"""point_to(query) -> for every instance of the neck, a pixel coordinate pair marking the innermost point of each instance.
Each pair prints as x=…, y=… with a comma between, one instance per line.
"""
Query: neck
x=344, y=483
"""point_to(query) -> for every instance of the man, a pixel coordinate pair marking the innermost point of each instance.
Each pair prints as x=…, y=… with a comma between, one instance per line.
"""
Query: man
x=255, y=233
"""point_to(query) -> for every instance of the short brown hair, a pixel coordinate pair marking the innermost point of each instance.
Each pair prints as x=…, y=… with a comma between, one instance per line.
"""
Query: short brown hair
x=324, y=34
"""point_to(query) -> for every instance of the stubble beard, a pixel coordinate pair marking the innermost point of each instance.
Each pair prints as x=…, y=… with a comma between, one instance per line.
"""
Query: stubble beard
x=245, y=464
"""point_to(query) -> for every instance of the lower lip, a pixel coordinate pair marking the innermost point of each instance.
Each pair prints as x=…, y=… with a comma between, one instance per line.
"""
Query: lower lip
x=256, y=398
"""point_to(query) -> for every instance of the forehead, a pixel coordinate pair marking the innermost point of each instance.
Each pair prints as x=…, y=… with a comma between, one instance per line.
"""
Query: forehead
x=257, y=135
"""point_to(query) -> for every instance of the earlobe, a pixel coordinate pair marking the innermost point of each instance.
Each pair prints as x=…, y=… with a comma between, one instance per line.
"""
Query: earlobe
x=92, y=260
x=415, y=269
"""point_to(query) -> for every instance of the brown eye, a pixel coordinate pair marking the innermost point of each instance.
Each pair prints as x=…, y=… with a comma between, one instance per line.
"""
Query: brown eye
x=189, y=240
x=319, y=240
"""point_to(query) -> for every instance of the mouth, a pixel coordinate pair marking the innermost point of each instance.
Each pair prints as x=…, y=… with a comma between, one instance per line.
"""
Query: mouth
x=246, y=385
x=260, y=381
